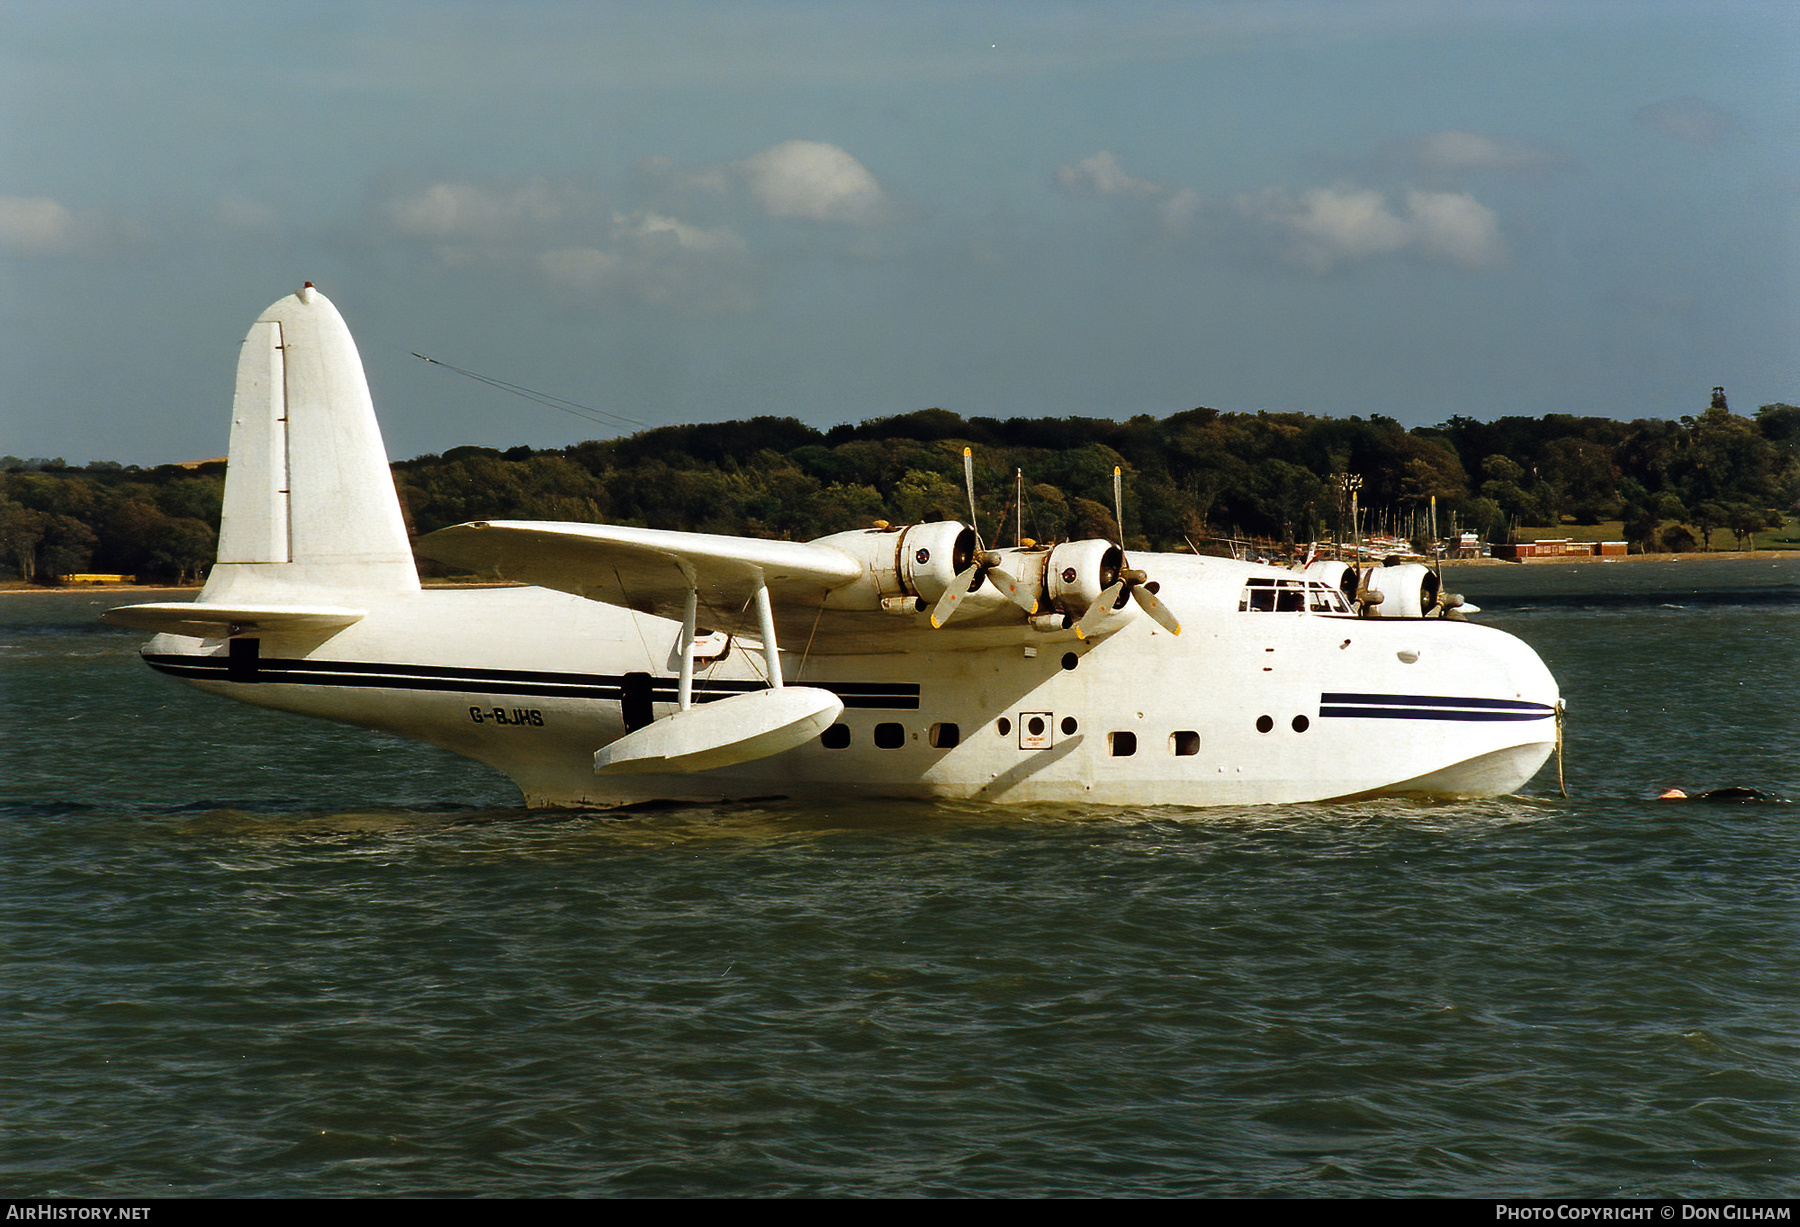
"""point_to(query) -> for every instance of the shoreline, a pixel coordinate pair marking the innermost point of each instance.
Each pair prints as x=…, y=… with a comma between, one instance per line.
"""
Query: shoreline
x=15, y=586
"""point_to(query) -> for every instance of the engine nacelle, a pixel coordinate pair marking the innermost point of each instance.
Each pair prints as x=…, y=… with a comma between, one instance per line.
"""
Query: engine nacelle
x=1340, y=575
x=912, y=561
x=1408, y=589
x=1077, y=572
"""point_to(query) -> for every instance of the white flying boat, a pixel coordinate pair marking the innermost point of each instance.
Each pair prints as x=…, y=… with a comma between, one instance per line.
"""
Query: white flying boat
x=633, y=664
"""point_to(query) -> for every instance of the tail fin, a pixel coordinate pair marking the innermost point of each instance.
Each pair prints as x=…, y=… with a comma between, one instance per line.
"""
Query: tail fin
x=309, y=499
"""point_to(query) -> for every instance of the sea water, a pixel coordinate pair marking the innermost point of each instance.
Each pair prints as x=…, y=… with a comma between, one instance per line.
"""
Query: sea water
x=247, y=954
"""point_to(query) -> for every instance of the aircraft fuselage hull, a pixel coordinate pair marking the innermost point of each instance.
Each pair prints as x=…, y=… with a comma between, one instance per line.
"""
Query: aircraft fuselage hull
x=1240, y=709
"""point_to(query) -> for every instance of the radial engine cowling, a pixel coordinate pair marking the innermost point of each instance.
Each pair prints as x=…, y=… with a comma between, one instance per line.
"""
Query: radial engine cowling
x=1340, y=575
x=1409, y=590
x=912, y=561
x=1077, y=572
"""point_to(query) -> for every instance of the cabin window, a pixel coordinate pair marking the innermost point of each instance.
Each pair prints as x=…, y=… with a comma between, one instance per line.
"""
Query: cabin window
x=1259, y=597
x=1069, y=726
x=1270, y=595
x=890, y=735
x=944, y=735
x=1325, y=599
x=1184, y=744
x=1004, y=727
x=1301, y=724
x=1123, y=745
x=837, y=737
x=1264, y=723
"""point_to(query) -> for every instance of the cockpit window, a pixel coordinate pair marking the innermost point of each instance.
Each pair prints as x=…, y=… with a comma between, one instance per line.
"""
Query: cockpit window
x=1268, y=595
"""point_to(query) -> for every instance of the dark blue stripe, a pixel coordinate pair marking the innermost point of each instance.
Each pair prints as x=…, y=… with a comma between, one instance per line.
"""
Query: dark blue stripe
x=1441, y=701
x=1436, y=713
x=464, y=680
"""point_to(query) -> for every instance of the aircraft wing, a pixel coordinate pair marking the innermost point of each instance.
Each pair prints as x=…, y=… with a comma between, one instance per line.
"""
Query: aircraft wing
x=647, y=569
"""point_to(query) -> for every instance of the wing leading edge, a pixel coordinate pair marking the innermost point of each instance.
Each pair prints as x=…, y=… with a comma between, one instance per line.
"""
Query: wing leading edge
x=647, y=568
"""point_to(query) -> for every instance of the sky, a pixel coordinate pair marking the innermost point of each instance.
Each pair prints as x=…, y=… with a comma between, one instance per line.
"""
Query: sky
x=686, y=212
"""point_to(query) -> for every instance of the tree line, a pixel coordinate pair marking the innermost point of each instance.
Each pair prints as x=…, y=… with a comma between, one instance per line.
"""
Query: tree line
x=1189, y=478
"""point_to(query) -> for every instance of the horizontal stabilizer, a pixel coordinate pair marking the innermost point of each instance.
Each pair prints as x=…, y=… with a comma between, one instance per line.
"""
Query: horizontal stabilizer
x=208, y=621
x=723, y=733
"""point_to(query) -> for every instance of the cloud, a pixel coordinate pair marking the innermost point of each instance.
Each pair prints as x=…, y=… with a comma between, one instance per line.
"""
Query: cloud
x=659, y=259
x=1100, y=174
x=1690, y=119
x=1324, y=229
x=573, y=242
x=1455, y=228
x=444, y=211
x=1175, y=211
x=813, y=181
x=35, y=226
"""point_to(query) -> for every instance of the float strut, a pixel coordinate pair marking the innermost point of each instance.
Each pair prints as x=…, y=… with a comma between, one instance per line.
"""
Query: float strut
x=771, y=652
x=684, y=690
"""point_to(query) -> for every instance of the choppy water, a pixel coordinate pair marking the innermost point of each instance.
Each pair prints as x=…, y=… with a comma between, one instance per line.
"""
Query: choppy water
x=245, y=954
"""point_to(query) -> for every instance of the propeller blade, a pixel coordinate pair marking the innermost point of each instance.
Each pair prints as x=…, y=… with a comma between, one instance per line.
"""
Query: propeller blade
x=1099, y=611
x=953, y=595
x=1015, y=589
x=1119, y=502
x=969, y=482
x=1148, y=602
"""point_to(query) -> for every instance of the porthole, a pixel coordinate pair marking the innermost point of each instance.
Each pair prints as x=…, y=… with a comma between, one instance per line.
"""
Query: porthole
x=1184, y=744
x=890, y=735
x=1123, y=745
x=944, y=736
x=1264, y=724
x=1069, y=726
x=837, y=737
x=1004, y=727
x=1301, y=724
x=1035, y=726
x=1070, y=660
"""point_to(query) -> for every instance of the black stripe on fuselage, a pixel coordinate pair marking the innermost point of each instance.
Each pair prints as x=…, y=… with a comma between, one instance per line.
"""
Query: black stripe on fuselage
x=466, y=680
x=1429, y=707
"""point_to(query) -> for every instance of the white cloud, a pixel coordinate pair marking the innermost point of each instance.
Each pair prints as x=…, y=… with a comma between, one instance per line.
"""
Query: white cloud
x=1456, y=228
x=1101, y=175
x=659, y=259
x=568, y=238
x=1690, y=119
x=653, y=231
x=1179, y=211
x=35, y=226
x=813, y=181
x=1328, y=228
x=1453, y=153
x=445, y=211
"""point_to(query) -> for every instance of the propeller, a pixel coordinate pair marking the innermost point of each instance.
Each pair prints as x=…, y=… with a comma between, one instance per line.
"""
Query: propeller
x=1131, y=585
x=986, y=565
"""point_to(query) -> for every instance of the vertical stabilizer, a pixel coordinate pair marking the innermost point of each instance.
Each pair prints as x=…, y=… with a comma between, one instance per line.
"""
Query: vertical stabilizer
x=309, y=498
